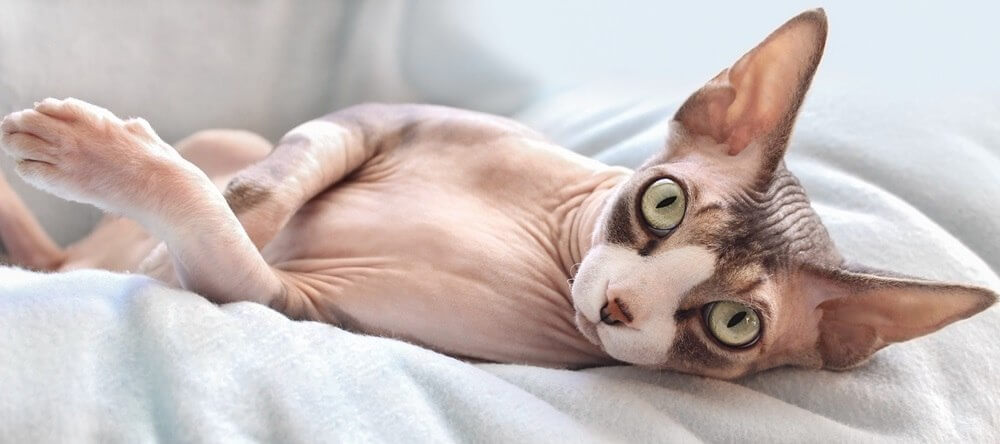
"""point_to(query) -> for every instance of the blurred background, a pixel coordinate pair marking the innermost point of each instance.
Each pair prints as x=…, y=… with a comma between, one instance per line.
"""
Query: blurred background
x=269, y=65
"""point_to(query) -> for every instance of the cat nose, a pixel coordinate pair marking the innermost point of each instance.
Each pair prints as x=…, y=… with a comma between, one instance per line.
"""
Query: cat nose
x=615, y=311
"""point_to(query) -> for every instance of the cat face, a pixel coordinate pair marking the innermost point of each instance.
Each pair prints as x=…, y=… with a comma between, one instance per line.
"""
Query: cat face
x=710, y=259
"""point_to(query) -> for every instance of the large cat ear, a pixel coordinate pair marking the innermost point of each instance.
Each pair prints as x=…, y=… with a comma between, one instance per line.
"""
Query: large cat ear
x=862, y=312
x=752, y=105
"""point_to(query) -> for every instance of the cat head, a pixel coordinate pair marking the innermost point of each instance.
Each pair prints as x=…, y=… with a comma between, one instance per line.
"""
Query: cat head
x=710, y=259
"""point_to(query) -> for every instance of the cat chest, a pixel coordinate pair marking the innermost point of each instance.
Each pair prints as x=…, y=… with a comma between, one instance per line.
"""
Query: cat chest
x=464, y=273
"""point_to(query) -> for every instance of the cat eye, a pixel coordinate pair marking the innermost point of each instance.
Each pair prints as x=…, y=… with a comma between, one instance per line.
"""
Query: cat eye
x=732, y=323
x=663, y=205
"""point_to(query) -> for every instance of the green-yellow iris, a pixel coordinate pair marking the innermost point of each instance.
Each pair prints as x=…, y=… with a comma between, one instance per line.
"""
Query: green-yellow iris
x=663, y=205
x=732, y=323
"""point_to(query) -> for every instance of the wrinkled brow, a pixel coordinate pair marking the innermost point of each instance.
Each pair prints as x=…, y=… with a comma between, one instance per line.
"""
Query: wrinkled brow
x=776, y=227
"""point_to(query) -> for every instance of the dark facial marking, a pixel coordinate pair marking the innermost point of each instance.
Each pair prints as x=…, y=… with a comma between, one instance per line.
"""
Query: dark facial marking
x=241, y=195
x=776, y=227
x=620, y=223
x=682, y=315
x=689, y=348
x=648, y=248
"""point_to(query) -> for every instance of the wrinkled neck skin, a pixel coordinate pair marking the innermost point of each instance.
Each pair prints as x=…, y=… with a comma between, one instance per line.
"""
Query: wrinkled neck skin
x=579, y=225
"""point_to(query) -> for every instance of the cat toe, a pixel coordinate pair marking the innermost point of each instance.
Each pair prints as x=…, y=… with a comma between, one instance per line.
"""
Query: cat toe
x=71, y=110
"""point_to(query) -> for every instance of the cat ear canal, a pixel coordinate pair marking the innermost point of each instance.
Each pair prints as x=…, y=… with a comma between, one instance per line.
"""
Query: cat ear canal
x=754, y=103
x=863, y=312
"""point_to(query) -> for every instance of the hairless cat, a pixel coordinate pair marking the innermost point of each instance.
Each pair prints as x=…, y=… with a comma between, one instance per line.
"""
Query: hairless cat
x=459, y=231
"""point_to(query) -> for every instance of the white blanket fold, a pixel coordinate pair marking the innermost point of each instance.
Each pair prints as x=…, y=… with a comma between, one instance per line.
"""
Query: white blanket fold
x=109, y=357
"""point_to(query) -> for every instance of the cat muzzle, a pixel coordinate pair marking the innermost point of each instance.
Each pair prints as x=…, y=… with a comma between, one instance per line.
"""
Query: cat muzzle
x=615, y=312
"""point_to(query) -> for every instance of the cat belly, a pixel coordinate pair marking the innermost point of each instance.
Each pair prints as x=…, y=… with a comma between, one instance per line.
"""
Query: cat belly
x=421, y=262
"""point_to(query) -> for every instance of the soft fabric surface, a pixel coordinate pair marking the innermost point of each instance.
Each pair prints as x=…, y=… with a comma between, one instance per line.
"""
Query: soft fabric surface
x=116, y=357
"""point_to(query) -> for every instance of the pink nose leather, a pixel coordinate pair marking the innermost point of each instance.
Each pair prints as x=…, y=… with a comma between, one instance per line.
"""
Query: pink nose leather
x=616, y=310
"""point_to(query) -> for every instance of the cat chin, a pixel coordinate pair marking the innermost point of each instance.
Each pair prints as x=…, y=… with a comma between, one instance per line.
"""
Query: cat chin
x=626, y=344
x=649, y=346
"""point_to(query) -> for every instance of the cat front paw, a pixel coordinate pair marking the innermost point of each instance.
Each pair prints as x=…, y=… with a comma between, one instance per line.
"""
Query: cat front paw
x=83, y=152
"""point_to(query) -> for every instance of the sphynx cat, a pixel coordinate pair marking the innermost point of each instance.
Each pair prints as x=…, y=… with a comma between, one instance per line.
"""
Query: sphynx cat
x=474, y=236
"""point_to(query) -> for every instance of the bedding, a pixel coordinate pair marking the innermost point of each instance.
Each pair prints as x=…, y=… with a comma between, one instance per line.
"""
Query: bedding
x=115, y=357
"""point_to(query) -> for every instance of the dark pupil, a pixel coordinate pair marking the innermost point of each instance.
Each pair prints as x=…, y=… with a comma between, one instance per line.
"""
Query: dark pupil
x=666, y=202
x=736, y=319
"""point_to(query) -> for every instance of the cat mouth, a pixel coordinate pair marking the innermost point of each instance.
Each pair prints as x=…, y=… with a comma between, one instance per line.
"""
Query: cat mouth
x=594, y=311
x=588, y=329
x=588, y=320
